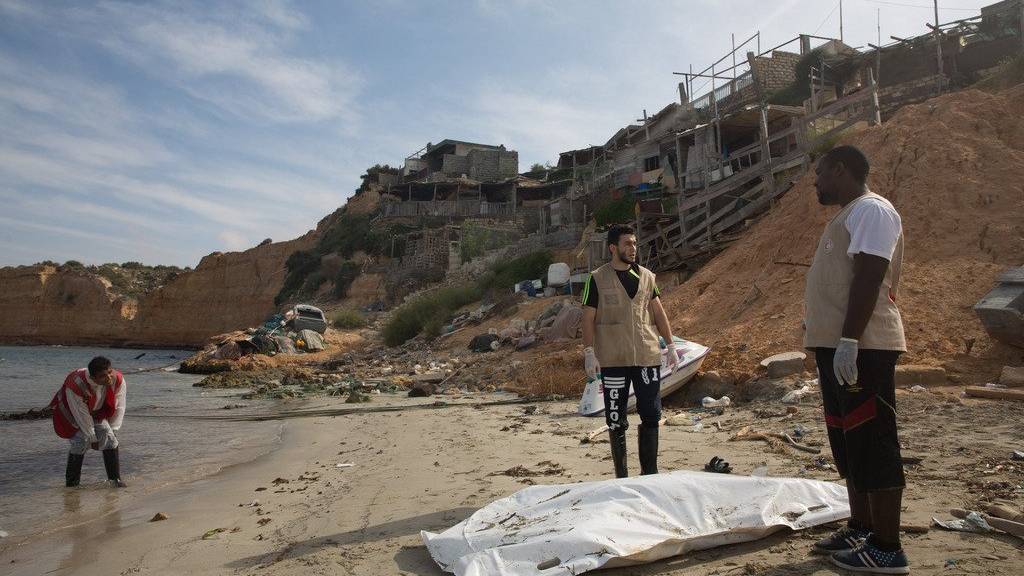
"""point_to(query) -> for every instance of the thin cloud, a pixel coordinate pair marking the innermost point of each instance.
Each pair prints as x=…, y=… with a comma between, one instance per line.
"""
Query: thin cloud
x=18, y=8
x=111, y=239
x=233, y=240
x=243, y=68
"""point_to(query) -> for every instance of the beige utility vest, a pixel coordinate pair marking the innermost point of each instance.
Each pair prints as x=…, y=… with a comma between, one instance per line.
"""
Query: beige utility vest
x=828, y=291
x=625, y=334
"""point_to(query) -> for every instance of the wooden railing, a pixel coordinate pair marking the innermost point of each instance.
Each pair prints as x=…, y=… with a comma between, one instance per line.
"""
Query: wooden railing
x=448, y=209
x=722, y=205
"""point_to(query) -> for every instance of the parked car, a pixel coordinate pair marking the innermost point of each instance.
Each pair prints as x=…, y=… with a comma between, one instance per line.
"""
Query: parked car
x=306, y=317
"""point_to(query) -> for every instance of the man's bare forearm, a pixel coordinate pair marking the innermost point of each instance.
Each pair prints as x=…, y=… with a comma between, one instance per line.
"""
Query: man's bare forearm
x=589, y=323
x=661, y=320
x=868, y=273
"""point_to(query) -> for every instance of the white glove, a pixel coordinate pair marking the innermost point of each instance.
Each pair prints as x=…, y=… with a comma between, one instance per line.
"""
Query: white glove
x=671, y=356
x=590, y=363
x=844, y=363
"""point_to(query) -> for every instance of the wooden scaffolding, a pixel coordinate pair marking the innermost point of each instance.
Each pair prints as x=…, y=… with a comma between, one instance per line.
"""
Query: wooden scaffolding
x=749, y=179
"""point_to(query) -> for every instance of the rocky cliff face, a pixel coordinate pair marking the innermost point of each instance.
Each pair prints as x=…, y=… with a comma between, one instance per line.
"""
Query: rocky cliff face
x=41, y=305
x=44, y=305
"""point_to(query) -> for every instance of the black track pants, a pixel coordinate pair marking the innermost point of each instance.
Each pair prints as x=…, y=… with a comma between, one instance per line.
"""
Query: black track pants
x=646, y=383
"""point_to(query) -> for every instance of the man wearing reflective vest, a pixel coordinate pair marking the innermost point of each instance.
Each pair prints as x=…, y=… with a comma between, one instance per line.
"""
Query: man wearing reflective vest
x=855, y=330
x=621, y=309
x=87, y=410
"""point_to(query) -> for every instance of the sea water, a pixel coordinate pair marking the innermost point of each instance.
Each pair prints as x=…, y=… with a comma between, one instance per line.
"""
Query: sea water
x=172, y=433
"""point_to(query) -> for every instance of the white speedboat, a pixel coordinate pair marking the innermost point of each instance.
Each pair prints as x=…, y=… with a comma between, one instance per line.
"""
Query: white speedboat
x=691, y=356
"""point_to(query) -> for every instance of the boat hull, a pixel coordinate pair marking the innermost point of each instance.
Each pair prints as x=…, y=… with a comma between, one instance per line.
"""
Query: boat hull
x=691, y=357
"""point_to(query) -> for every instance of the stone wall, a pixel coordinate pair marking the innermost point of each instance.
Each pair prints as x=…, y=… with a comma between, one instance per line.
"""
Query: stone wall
x=508, y=164
x=481, y=165
x=427, y=249
x=492, y=165
x=773, y=73
x=453, y=165
x=777, y=72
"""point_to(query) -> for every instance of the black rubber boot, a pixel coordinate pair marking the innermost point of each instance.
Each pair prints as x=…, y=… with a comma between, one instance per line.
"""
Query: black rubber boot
x=618, y=440
x=112, y=463
x=648, y=449
x=73, y=474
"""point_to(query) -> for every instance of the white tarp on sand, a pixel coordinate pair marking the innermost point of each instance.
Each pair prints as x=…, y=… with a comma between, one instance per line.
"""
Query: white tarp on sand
x=571, y=528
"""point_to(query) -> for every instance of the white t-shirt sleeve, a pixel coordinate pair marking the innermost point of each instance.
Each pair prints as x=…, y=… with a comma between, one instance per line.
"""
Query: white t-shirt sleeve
x=874, y=228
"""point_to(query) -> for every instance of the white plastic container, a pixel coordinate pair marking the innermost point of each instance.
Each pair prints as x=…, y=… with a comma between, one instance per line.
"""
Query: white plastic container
x=558, y=274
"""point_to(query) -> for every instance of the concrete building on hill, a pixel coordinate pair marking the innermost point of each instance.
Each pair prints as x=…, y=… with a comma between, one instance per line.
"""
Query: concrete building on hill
x=452, y=159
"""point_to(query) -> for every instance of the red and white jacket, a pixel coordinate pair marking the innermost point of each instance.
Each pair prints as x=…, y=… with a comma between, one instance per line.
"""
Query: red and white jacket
x=80, y=403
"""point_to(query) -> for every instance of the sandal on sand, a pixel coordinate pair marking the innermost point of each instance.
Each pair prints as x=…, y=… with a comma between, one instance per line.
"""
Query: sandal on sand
x=718, y=465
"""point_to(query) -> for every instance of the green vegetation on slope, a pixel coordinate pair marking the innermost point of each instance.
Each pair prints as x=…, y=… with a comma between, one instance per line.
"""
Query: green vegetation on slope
x=429, y=312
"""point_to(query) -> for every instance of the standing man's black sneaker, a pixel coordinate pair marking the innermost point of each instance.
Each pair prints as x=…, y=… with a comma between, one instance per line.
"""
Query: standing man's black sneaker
x=873, y=560
x=842, y=539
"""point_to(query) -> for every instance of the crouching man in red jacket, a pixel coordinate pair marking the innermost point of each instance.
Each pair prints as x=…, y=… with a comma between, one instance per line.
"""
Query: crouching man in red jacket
x=87, y=410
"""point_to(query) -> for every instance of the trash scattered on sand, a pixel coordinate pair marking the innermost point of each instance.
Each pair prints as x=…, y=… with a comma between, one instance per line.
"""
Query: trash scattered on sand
x=794, y=396
x=717, y=465
x=212, y=534
x=709, y=402
x=158, y=517
x=973, y=522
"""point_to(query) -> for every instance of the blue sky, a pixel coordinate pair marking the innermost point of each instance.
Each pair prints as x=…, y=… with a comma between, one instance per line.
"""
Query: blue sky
x=163, y=131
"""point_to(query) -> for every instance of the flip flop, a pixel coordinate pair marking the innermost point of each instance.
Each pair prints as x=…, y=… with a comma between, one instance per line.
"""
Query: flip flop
x=718, y=465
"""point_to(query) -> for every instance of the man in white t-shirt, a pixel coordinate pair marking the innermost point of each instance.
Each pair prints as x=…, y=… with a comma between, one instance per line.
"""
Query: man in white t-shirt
x=856, y=332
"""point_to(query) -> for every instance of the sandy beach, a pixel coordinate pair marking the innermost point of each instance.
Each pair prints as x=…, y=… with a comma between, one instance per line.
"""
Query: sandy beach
x=428, y=466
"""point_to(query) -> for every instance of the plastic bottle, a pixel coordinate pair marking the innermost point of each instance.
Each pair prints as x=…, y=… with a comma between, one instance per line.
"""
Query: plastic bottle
x=709, y=402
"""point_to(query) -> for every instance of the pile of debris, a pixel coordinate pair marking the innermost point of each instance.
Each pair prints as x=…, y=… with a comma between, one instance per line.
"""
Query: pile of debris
x=467, y=319
x=559, y=321
x=299, y=330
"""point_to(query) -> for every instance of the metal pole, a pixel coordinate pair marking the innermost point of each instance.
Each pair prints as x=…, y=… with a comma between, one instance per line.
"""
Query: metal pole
x=938, y=46
x=690, y=79
x=572, y=190
x=814, y=102
x=878, y=50
x=876, y=112
x=713, y=89
x=840, y=20
x=734, y=57
x=714, y=97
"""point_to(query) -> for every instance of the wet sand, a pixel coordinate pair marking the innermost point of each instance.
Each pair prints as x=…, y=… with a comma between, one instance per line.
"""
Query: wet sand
x=427, y=469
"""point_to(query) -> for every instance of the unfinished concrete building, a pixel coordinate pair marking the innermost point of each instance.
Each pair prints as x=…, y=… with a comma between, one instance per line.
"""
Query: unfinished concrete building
x=907, y=69
x=698, y=167
x=452, y=159
x=460, y=196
